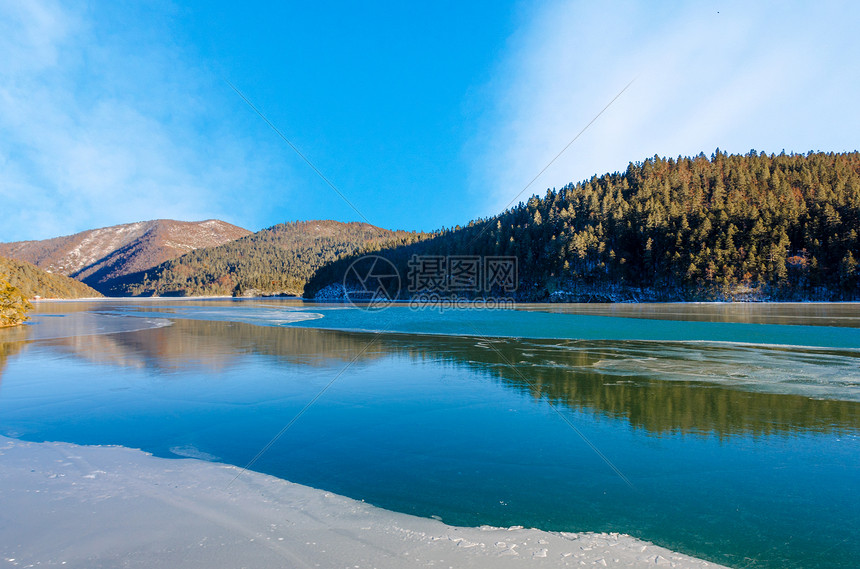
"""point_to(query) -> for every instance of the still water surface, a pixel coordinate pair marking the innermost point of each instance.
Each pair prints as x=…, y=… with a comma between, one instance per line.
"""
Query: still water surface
x=727, y=432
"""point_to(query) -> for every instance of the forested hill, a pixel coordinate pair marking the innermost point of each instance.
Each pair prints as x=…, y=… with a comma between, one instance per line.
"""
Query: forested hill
x=751, y=226
x=277, y=260
x=33, y=281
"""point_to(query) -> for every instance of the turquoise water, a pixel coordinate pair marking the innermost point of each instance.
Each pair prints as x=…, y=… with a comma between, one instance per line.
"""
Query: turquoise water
x=525, y=324
x=737, y=442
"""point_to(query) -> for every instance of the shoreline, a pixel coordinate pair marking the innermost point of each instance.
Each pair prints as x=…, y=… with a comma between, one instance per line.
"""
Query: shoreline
x=68, y=505
x=406, y=302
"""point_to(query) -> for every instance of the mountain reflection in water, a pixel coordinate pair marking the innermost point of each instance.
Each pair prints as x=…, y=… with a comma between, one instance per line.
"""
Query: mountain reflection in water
x=660, y=388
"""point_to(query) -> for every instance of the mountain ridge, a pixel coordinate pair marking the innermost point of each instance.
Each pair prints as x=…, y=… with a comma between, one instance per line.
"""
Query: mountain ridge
x=725, y=227
x=98, y=256
x=276, y=260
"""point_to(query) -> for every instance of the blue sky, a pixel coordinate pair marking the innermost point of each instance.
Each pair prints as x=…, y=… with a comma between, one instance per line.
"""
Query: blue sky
x=422, y=116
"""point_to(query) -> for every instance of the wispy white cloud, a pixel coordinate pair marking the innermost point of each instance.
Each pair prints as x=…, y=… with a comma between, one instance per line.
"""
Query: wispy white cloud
x=726, y=74
x=102, y=126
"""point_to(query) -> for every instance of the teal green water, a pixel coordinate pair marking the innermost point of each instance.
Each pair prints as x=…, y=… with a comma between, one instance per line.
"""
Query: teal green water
x=738, y=442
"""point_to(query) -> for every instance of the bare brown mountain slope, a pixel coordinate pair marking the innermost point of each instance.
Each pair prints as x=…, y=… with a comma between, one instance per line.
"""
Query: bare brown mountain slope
x=98, y=256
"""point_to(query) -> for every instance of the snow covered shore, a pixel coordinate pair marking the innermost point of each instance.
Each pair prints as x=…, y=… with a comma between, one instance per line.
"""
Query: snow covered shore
x=66, y=505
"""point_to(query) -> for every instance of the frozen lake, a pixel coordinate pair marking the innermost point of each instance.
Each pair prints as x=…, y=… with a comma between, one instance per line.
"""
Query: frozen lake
x=727, y=432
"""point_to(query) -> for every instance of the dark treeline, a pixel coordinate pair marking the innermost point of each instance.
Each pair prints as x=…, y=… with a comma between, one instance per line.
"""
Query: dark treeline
x=752, y=226
x=277, y=260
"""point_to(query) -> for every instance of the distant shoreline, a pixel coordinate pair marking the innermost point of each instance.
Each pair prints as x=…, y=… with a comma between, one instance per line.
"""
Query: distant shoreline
x=406, y=302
